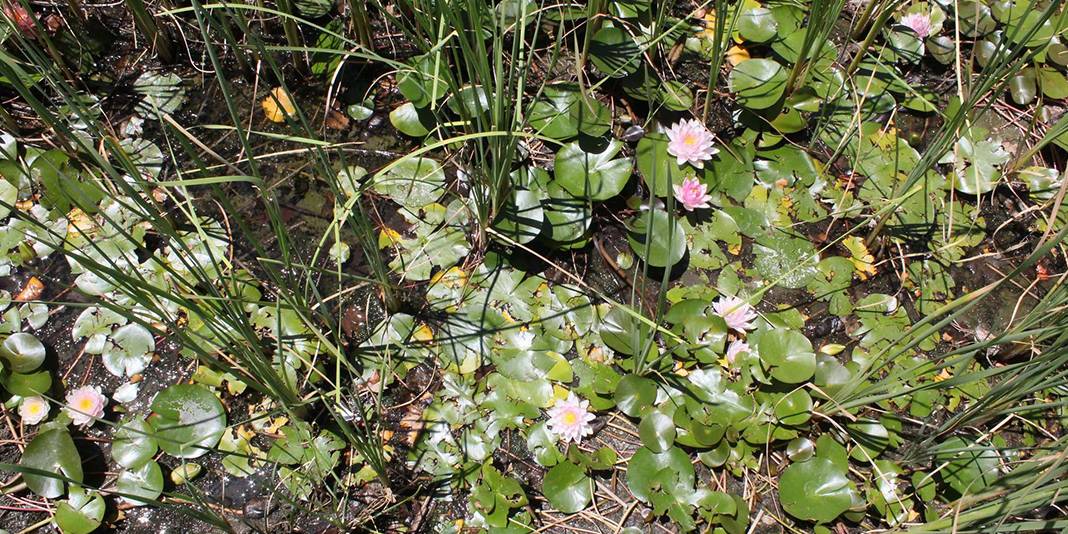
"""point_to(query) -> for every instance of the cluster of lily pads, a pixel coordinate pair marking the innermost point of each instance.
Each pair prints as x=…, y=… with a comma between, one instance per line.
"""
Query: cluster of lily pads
x=723, y=380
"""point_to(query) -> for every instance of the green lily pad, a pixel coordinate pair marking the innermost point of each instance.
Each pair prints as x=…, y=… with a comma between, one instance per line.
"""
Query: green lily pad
x=134, y=443
x=758, y=83
x=757, y=25
x=24, y=352
x=54, y=452
x=966, y=467
x=787, y=354
x=129, y=351
x=161, y=92
x=593, y=175
x=188, y=419
x=657, y=237
x=140, y=486
x=649, y=473
x=618, y=331
x=411, y=121
x=657, y=431
x=27, y=384
x=614, y=53
x=786, y=260
x=675, y=95
x=815, y=490
x=634, y=394
x=81, y=513
x=976, y=165
x=795, y=408
x=8, y=195
x=567, y=487
x=413, y=183
x=522, y=218
x=551, y=115
x=425, y=81
x=592, y=117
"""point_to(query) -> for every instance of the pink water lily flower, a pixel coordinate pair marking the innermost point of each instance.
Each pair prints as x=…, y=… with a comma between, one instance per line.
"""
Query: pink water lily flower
x=692, y=194
x=570, y=419
x=737, y=313
x=689, y=141
x=734, y=349
x=919, y=23
x=85, y=404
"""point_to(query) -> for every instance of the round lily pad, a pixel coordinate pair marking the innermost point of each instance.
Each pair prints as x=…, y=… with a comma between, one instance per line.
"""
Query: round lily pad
x=657, y=431
x=567, y=487
x=658, y=168
x=551, y=114
x=53, y=452
x=188, y=419
x=413, y=183
x=134, y=443
x=614, y=53
x=140, y=486
x=522, y=218
x=24, y=352
x=411, y=121
x=657, y=237
x=129, y=351
x=670, y=472
x=787, y=354
x=634, y=394
x=815, y=490
x=594, y=175
x=758, y=83
x=81, y=513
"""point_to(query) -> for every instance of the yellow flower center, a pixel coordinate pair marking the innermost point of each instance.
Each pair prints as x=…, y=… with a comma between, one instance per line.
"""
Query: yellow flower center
x=690, y=139
x=570, y=418
x=85, y=404
x=34, y=408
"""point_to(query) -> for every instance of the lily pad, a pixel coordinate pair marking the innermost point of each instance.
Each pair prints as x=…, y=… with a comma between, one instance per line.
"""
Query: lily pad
x=140, y=486
x=614, y=53
x=81, y=513
x=593, y=175
x=24, y=352
x=657, y=431
x=52, y=451
x=413, y=183
x=551, y=114
x=567, y=487
x=815, y=490
x=134, y=443
x=634, y=394
x=161, y=92
x=411, y=121
x=188, y=419
x=522, y=218
x=786, y=260
x=657, y=237
x=659, y=169
x=787, y=354
x=758, y=83
x=129, y=351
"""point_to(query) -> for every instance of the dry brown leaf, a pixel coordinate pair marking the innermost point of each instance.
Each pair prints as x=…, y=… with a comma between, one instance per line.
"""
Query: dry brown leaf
x=31, y=291
x=336, y=120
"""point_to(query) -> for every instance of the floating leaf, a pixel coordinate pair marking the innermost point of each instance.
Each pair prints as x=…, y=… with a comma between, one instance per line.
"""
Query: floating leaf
x=551, y=115
x=593, y=175
x=614, y=53
x=413, y=182
x=815, y=490
x=862, y=260
x=758, y=83
x=786, y=260
x=81, y=513
x=188, y=419
x=411, y=121
x=659, y=169
x=757, y=24
x=675, y=95
x=140, y=486
x=657, y=237
x=134, y=443
x=966, y=467
x=634, y=394
x=657, y=431
x=161, y=92
x=670, y=472
x=52, y=451
x=23, y=352
x=521, y=219
x=787, y=354
x=129, y=351
x=567, y=487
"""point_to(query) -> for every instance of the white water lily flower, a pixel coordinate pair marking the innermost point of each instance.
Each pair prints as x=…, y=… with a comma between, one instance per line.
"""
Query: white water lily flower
x=85, y=404
x=736, y=312
x=33, y=410
x=692, y=194
x=919, y=23
x=570, y=419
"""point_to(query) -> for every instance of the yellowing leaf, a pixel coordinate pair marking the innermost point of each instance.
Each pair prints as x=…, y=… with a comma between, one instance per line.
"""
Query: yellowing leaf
x=863, y=261
x=387, y=237
x=736, y=55
x=277, y=105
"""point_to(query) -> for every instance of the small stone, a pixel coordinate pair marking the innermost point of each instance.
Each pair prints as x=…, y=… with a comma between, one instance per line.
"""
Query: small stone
x=257, y=507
